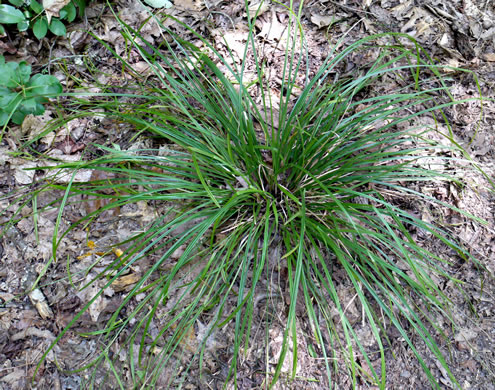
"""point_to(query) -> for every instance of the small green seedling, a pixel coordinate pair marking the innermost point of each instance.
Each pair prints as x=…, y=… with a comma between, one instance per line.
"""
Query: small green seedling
x=22, y=94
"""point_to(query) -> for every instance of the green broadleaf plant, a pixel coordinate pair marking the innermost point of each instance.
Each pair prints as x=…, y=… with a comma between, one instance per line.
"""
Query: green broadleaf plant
x=10, y=15
x=319, y=176
x=40, y=28
x=57, y=27
x=21, y=94
x=30, y=14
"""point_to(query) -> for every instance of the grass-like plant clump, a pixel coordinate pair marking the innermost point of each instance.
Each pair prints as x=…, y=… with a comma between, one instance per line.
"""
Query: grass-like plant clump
x=322, y=174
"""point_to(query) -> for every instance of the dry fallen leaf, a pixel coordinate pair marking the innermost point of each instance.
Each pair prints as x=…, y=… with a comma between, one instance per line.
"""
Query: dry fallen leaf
x=32, y=331
x=490, y=57
x=159, y=3
x=236, y=41
x=418, y=24
x=190, y=5
x=142, y=67
x=121, y=283
x=323, y=20
x=471, y=364
x=465, y=334
x=190, y=342
x=14, y=377
x=117, y=252
x=274, y=31
x=98, y=305
x=23, y=173
x=257, y=8
x=33, y=126
x=39, y=301
x=53, y=7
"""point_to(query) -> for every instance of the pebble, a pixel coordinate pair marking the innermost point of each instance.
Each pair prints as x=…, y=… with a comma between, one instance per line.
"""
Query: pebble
x=405, y=374
x=77, y=133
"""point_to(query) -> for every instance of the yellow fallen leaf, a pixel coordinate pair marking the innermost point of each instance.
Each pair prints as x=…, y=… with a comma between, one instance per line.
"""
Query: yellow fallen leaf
x=83, y=256
x=117, y=252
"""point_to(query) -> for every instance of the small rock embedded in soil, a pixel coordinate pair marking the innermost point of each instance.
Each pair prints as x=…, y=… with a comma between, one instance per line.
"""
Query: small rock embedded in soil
x=405, y=374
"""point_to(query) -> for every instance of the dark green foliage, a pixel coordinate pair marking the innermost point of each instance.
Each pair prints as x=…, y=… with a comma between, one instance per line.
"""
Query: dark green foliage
x=30, y=14
x=22, y=94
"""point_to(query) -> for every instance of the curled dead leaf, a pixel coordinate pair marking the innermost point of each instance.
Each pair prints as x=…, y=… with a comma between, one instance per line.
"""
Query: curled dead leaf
x=53, y=7
x=32, y=331
x=257, y=8
x=39, y=301
x=490, y=57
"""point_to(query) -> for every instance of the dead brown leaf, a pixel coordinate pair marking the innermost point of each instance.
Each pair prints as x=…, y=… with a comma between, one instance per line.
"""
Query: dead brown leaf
x=190, y=5
x=490, y=57
x=121, y=283
x=257, y=8
x=323, y=20
x=53, y=7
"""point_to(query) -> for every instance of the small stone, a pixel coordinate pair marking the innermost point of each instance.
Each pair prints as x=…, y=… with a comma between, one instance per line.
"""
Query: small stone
x=77, y=133
x=405, y=374
x=178, y=252
x=24, y=174
x=465, y=334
